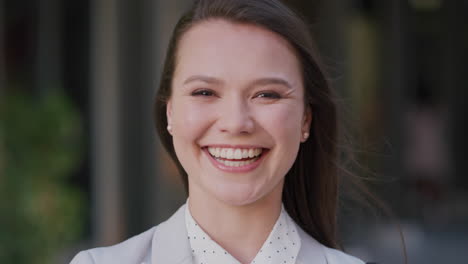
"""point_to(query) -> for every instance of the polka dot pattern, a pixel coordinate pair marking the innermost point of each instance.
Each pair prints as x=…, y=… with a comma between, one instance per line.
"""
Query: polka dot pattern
x=281, y=247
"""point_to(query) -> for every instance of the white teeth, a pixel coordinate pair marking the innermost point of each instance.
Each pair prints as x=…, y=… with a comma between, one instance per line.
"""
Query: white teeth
x=231, y=163
x=230, y=153
x=238, y=154
x=257, y=152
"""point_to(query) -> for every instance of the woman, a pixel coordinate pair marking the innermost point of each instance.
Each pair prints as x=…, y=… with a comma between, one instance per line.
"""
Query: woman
x=245, y=111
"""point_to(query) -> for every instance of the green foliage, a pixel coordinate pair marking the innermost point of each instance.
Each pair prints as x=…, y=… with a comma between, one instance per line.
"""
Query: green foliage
x=40, y=145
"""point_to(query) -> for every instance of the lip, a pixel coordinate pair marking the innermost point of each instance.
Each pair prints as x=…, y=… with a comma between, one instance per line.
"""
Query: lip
x=241, y=169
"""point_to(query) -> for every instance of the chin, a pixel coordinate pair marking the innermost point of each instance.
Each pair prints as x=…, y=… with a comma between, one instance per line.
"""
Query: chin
x=240, y=194
x=237, y=194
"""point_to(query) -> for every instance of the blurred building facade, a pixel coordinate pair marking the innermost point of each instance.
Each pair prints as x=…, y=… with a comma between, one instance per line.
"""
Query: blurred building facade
x=399, y=65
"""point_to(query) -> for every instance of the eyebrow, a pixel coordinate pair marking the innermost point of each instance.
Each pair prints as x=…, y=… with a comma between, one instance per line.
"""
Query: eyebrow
x=261, y=81
x=202, y=78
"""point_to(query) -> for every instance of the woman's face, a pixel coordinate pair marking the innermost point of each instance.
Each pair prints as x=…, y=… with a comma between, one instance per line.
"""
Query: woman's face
x=236, y=111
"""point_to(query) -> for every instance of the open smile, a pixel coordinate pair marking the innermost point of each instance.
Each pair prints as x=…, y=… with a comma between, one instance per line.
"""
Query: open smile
x=235, y=159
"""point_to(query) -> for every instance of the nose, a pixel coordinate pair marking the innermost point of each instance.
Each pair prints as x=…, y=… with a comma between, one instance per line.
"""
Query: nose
x=235, y=117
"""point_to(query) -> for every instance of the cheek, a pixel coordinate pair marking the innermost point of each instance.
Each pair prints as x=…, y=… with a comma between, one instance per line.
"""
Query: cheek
x=190, y=120
x=283, y=122
x=189, y=123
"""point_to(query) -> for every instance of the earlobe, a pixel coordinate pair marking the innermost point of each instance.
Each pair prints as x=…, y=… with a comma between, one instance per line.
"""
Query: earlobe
x=169, y=116
x=307, y=121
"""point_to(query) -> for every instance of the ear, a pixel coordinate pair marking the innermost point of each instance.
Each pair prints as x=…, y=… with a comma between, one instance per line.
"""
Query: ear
x=307, y=119
x=169, y=112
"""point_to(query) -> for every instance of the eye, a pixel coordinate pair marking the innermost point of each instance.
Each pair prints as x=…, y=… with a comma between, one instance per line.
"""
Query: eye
x=203, y=92
x=268, y=95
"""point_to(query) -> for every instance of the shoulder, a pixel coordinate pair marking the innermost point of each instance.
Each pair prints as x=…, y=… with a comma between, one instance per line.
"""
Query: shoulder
x=312, y=249
x=159, y=242
x=338, y=257
x=133, y=250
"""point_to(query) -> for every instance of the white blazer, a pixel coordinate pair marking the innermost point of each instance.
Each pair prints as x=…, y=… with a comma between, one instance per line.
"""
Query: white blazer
x=167, y=243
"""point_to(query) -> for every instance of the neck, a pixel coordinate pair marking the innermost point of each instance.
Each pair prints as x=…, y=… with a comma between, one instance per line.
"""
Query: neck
x=240, y=230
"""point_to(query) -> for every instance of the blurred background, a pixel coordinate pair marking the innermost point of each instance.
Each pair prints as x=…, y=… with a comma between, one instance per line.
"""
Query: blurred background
x=80, y=164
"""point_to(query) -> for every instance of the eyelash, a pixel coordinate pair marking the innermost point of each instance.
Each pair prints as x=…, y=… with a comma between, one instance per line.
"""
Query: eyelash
x=209, y=93
x=268, y=95
x=203, y=92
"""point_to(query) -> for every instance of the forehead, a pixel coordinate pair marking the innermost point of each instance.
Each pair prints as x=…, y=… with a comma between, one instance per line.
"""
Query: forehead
x=226, y=49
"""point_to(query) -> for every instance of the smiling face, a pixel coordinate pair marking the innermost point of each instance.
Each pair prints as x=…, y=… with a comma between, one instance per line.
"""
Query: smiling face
x=236, y=110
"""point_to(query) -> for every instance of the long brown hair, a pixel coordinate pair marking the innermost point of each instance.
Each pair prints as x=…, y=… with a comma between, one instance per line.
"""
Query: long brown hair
x=310, y=193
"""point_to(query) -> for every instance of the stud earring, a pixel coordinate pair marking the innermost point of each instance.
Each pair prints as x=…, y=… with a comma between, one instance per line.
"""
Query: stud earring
x=305, y=136
x=169, y=129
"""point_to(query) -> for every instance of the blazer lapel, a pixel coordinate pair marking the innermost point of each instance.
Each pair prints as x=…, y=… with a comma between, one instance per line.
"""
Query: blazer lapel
x=311, y=250
x=170, y=244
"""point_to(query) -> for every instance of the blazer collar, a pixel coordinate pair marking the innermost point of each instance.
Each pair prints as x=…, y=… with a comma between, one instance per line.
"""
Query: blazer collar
x=170, y=243
x=311, y=250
